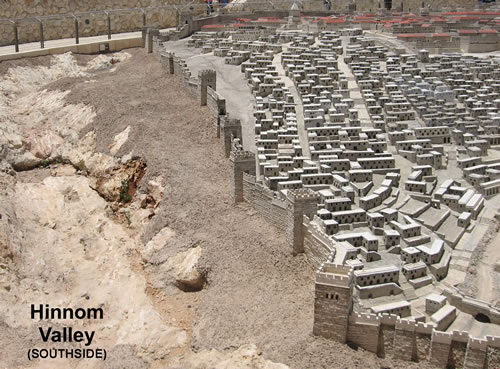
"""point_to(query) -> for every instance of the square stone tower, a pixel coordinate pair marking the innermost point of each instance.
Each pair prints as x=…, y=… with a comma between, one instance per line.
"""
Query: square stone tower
x=302, y=201
x=241, y=162
x=208, y=77
x=333, y=301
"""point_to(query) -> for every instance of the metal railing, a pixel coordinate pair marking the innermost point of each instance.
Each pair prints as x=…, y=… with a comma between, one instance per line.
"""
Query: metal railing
x=202, y=9
x=17, y=23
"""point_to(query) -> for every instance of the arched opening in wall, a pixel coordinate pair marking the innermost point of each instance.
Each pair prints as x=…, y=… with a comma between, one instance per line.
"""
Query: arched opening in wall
x=480, y=317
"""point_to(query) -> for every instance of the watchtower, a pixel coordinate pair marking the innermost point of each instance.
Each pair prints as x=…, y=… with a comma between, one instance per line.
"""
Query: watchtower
x=241, y=162
x=229, y=129
x=333, y=301
x=167, y=59
x=185, y=20
x=207, y=77
x=301, y=202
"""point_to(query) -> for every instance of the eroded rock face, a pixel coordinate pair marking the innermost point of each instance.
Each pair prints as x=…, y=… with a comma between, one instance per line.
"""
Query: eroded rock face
x=68, y=252
x=38, y=124
x=151, y=253
x=11, y=235
x=246, y=357
x=60, y=242
x=120, y=183
x=155, y=190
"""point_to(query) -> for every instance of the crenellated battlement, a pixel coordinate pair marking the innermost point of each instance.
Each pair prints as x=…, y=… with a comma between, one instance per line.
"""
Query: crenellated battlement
x=333, y=279
x=477, y=343
x=241, y=155
x=302, y=194
x=441, y=337
x=406, y=324
x=460, y=336
x=493, y=341
x=364, y=318
x=388, y=319
x=424, y=328
x=334, y=274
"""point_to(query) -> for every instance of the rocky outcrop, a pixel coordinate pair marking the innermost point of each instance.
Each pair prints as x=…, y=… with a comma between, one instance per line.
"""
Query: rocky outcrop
x=246, y=357
x=152, y=252
x=180, y=269
x=58, y=245
x=38, y=126
x=121, y=182
x=11, y=234
x=183, y=270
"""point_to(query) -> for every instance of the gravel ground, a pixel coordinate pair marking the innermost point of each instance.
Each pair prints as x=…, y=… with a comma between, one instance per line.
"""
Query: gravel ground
x=257, y=291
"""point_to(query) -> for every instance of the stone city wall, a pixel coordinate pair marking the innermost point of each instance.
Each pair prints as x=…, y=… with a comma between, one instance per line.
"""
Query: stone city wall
x=390, y=336
x=386, y=335
x=200, y=89
x=472, y=306
x=216, y=102
x=265, y=202
x=88, y=25
x=317, y=246
x=179, y=68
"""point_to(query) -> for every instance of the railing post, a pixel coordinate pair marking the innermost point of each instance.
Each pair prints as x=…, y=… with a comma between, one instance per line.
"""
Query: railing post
x=42, y=40
x=77, y=35
x=109, y=26
x=16, y=37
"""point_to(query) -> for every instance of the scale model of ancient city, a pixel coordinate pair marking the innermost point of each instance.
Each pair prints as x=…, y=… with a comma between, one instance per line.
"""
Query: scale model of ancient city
x=368, y=134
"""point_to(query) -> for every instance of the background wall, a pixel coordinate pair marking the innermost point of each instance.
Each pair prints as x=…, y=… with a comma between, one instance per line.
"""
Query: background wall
x=363, y=5
x=126, y=22
x=88, y=25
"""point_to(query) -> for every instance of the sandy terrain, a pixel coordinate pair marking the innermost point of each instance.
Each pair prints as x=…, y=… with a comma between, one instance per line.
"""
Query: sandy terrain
x=256, y=291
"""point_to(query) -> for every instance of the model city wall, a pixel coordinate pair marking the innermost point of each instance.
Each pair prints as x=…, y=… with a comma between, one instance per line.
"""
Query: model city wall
x=386, y=335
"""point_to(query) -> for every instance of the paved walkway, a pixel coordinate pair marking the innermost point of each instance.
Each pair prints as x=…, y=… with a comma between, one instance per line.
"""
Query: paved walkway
x=32, y=46
x=68, y=44
x=354, y=91
x=231, y=84
x=299, y=109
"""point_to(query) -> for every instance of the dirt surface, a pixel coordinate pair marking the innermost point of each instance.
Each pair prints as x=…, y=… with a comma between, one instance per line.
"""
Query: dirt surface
x=31, y=62
x=256, y=292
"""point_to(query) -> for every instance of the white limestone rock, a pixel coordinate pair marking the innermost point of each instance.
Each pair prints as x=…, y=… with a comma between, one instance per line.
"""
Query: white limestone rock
x=158, y=242
x=119, y=140
x=155, y=189
x=245, y=357
x=24, y=161
x=183, y=270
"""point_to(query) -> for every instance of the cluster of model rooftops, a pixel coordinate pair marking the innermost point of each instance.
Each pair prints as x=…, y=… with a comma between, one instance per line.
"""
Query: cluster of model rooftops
x=395, y=228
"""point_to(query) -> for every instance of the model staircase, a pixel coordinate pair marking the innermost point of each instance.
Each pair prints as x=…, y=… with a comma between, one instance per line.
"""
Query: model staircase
x=408, y=290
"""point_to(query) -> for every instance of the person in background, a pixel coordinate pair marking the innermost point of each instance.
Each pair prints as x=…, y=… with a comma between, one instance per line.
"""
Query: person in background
x=210, y=7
